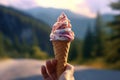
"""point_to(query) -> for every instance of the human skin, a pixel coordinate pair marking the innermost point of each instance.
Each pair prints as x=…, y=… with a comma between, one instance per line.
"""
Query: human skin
x=49, y=71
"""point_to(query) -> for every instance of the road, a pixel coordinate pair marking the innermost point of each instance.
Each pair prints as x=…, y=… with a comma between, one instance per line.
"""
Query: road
x=24, y=69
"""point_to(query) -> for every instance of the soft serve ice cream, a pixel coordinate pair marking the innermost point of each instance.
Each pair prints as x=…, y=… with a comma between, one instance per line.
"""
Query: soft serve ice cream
x=61, y=30
x=61, y=37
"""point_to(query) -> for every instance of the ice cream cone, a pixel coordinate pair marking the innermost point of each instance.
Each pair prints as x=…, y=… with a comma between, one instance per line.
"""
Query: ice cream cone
x=61, y=37
x=61, y=50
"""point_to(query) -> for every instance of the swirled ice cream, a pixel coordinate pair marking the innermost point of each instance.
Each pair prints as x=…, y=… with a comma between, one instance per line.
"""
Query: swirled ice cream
x=61, y=30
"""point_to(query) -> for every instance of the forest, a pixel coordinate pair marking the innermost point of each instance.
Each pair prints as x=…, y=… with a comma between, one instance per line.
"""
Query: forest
x=22, y=36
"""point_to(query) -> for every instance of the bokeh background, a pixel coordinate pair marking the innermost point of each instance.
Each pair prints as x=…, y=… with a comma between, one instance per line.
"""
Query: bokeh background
x=25, y=26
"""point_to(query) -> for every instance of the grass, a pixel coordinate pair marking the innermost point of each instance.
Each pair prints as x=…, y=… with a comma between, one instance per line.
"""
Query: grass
x=98, y=63
x=115, y=66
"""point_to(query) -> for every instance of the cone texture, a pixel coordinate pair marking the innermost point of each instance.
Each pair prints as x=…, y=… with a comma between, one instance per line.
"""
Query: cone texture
x=61, y=49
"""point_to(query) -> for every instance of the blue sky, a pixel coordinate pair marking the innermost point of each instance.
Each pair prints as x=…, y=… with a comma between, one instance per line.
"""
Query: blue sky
x=84, y=7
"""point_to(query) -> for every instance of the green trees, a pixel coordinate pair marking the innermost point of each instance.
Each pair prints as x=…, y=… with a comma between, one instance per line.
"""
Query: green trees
x=23, y=35
x=114, y=42
x=98, y=45
x=38, y=53
x=74, y=50
x=8, y=44
x=5, y=46
x=17, y=49
x=88, y=44
x=2, y=51
x=93, y=45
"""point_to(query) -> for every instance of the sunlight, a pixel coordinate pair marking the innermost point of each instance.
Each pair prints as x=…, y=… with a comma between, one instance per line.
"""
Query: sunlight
x=68, y=4
x=65, y=4
x=84, y=7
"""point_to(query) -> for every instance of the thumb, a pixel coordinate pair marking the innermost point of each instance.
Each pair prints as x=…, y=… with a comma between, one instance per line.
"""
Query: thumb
x=69, y=69
x=68, y=73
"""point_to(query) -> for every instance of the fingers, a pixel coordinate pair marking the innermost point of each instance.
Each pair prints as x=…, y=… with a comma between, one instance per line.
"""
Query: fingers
x=44, y=72
x=54, y=62
x=51, y=68
x=49, y=72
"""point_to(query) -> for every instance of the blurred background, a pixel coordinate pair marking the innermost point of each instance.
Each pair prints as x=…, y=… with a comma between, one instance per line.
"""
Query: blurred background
x=25, y=26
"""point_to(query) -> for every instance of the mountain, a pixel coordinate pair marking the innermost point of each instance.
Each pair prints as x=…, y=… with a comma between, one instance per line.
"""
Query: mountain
x=79, y=22
x=108, y=17
x=49, y=15
x=14, y=23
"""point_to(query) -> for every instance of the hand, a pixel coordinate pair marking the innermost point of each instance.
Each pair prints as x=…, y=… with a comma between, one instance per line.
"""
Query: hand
x=49, y=71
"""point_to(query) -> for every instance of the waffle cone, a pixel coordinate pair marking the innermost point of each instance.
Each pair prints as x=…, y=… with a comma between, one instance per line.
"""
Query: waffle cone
x=61, y=49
